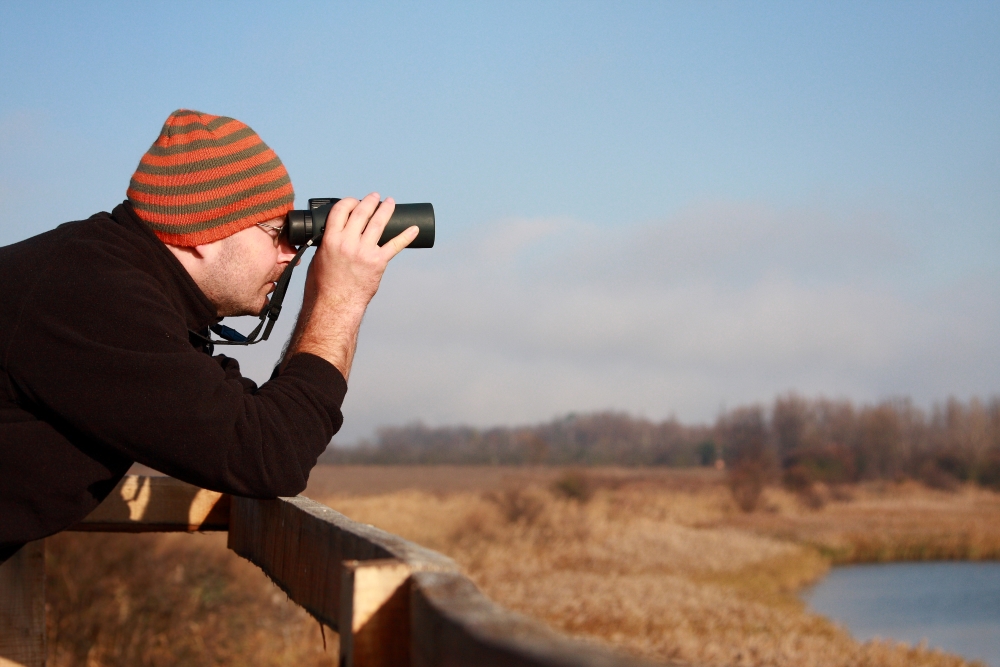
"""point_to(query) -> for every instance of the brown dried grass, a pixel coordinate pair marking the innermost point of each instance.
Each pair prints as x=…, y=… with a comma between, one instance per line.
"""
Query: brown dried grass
x=676, y=571
x=170, y=599
x=884, y=522
x=659, y=563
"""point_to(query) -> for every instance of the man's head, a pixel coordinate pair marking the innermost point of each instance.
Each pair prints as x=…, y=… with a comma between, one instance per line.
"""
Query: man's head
x=203, y=187
x=238, y=272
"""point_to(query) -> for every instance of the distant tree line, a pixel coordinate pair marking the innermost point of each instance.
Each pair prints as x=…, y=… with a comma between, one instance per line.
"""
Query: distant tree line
x=802, y=442
x=604, y=438
x=796, y=440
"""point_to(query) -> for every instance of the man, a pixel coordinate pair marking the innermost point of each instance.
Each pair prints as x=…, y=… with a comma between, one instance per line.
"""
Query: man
x=104, y=359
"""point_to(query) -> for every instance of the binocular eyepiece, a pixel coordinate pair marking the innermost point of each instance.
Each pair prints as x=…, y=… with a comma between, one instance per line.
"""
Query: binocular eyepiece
x=305, y=226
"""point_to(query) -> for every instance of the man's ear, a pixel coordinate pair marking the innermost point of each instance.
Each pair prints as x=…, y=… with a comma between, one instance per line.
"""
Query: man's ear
x=207, y=251
x=198, y=253
x=195, y=258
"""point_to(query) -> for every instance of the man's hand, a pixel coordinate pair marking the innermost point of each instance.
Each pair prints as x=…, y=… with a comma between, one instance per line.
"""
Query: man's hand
x=343, y=278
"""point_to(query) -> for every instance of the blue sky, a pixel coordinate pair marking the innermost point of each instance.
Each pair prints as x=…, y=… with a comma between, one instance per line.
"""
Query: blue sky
x=662, y=208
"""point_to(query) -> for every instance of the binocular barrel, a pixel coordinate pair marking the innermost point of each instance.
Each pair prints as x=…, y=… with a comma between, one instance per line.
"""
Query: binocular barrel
x=304, y=226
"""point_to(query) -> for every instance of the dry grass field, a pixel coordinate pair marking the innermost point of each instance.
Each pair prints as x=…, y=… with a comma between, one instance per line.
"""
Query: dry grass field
x=169, y=599
x=657, y=562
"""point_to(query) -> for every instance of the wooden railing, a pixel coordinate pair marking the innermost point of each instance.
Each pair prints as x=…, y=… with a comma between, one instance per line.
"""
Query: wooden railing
x=392, y=602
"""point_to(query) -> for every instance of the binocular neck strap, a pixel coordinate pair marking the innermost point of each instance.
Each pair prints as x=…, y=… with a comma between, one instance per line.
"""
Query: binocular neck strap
x=270, y=313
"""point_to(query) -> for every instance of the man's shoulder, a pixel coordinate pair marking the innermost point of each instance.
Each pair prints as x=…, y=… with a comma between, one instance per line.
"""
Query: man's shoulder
x=96, y=275
x=111, y=259
x=93, y=240
x=108, y=236
x=81, y=256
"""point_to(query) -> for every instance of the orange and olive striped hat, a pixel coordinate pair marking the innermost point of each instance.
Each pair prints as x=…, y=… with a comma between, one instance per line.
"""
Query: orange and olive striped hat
x=207, y=177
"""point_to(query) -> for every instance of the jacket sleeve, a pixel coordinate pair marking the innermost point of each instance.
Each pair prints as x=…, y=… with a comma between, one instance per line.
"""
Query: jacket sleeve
x=103, y=354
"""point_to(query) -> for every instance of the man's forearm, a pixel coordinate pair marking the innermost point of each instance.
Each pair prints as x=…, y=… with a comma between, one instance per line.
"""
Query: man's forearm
x=327, y=329
x=343, y=277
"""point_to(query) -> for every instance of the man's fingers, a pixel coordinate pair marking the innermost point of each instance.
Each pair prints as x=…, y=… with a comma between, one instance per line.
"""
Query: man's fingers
x=338, y=215
x=373, y=232
x=397, y=243
x=360, y=215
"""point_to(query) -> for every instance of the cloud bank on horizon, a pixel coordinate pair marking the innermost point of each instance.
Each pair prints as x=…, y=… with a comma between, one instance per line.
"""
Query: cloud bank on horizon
x=721, y=304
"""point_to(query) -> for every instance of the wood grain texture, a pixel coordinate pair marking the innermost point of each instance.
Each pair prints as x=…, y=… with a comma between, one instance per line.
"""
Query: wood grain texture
x=375, y=614
x=158, y=504
x=455, y=625
x=22, y=607
x=301, y=545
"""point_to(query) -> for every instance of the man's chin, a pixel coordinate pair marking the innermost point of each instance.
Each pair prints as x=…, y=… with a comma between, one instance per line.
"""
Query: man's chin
x=267, y=301
x=244, y=311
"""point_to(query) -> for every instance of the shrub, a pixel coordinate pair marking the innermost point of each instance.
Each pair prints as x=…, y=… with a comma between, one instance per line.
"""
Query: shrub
x=517, y=505
x=574, y=485
x=799, y=480
x=936, y=477
x=707, y=453
x=830, y=464
x=954, y=463
x=746, y=482
x=989, y=472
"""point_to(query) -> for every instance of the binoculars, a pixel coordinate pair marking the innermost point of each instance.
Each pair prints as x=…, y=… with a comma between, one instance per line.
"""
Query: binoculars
x=305, y=229
x=306, y=226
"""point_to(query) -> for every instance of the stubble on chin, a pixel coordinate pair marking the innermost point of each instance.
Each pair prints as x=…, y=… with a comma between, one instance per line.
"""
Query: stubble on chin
x=229, y=289
x=247, y=303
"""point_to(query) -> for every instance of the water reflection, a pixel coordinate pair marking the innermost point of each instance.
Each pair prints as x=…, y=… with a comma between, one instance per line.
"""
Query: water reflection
x=955, y=606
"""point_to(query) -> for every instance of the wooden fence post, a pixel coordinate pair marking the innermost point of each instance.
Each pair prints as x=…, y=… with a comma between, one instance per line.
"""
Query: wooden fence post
x=22, y=607
x=375, y=614
x=391, y=601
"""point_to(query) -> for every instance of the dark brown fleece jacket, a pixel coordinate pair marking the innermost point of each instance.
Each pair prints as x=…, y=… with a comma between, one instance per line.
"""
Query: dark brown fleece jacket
x=97, y=371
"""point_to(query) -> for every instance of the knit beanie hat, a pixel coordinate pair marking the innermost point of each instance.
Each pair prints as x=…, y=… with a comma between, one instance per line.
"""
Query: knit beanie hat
x=207, y=177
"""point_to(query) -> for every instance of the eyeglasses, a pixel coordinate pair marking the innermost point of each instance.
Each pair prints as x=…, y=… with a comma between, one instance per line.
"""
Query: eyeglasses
x=272, y=231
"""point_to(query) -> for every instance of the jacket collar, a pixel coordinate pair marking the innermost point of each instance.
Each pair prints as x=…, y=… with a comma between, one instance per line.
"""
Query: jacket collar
x=198, y=311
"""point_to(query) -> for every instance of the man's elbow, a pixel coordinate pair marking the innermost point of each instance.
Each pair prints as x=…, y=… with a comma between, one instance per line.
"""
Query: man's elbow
x=268, y=488
x=278, y=490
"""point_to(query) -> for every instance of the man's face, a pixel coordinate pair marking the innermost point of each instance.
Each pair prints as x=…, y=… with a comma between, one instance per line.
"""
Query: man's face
x=244, y=271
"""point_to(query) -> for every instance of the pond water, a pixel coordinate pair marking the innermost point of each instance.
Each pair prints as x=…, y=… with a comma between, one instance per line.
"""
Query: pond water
x=955, y=606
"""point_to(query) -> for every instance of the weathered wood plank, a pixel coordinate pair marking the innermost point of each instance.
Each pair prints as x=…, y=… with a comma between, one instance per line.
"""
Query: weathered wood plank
x=375, y=614
x=22, y=607
x=302, y=544
x=454, y=624
x=158, y=504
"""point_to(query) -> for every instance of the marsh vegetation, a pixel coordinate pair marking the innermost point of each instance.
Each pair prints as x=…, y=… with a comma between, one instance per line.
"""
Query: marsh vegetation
x=659, y=562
